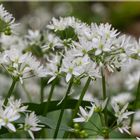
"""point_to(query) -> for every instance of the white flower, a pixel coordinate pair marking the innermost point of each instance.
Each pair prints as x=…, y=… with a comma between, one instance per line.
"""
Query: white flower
x=136, y=49
x=122, y=117
x=130, y=48
x=33, y=37
x=102, y=45
x=104, y=38
x=7, y=117
x=126, y=43
x=52, y=67
x=8, y=40
x=61, y=23
x=124, y=128
x=80, y=28
x=84, y=115
x=4, y=15
x=37, y=68
x=100, y=104
x=121, y=114
x=7, y=19
x=52, y=42
x=16, y=105
x=74, y=64
x=12, y=41
x=93, y=70
x=104, y=31
x=21, y=65
x=132, y=80
x=122, y=98
x=31, y=124
x=10, y=113
x=83, y=45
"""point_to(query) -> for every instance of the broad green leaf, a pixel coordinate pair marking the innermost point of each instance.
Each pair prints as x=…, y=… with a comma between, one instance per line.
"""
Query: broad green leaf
x=39, y=109
x=52, y=124
x=13, y=135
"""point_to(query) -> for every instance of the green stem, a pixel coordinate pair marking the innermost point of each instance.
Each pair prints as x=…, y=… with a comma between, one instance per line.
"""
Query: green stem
x=103, y=85
x=42, y=132
x=10, y=91
x=101, y=118
x=135, y=103
x=113, y=124
x=104, y=97
x=50, y=96
x=41, y=90
x=81, y=98
x=63, y=108
x=52, y=88
x=78, y=104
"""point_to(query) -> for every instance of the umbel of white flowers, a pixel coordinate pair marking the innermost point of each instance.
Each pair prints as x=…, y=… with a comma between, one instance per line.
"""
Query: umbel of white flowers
x=21, y=66
x=122, y=115
x=95, y=47
x=13, y=111
x=6, y=21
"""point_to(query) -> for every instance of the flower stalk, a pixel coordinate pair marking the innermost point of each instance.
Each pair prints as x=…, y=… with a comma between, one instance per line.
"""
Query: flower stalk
x=106, y=136
x=63, y=108
x=78, y=104
x=135, y=103
x=50, y=96
x=10, y=91
x=42, y=90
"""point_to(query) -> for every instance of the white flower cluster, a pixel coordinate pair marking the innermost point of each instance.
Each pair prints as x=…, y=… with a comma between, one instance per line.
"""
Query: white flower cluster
x=52, y=67
x=12, y=41
x=122, y=98
x=61, y=23
x=12, y=112
x=33, y=37
x=121, y=114
x=85, y=115
x=31, y=124
x=21, y=66
x=133, y=79
x=96, y=46
x=6, y=21
x=51, y=42
x=77, y=64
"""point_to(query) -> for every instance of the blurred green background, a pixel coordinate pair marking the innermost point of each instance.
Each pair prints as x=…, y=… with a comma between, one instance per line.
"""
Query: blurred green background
x=124, y=16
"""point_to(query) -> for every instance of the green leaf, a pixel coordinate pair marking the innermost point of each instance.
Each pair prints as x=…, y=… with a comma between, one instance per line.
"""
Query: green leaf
x=13, y=135
x=39, y=109
x=52, y=124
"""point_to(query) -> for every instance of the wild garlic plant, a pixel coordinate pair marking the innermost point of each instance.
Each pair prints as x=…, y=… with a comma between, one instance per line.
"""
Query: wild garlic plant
x=71, y=52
